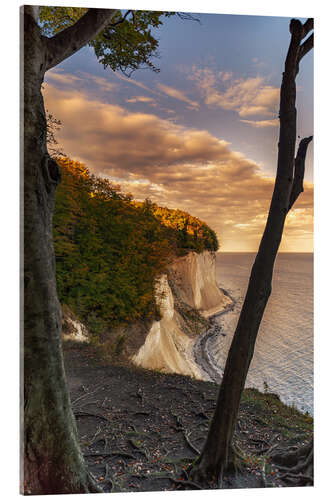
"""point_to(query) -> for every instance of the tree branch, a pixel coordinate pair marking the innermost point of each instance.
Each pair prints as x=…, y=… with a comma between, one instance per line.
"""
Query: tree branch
x=73, y=38
x=305, y=47
x=307, y=26
x=297, y=187
x=185, y=16
x=121, y=20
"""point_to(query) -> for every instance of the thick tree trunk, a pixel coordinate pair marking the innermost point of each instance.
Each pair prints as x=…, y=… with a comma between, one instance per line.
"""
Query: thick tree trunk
x=52, y=460
x=217, y=455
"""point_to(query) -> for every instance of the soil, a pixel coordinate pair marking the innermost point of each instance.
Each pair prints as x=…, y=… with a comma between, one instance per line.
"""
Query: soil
x=139, y=430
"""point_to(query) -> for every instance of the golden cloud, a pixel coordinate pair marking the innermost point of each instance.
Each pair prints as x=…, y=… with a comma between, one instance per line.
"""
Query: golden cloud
x=141, y=98
x=178, y=94
x=57, y=76
x=262, y=123
x=247, y=96
x=175, y=166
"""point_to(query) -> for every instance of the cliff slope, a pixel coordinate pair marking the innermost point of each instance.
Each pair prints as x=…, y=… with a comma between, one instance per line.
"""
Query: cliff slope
x=193, y=279
x=189, y=288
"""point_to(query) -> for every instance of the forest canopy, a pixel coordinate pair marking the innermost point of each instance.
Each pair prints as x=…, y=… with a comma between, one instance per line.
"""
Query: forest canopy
x=109, y=248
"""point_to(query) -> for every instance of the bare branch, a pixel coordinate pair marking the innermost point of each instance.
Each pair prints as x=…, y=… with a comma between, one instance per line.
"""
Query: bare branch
x=307, y=26
x=297, y=187
x=121, y=20
x=185, y=16
x=305, y=47
x=296, y=27
x=73, y=38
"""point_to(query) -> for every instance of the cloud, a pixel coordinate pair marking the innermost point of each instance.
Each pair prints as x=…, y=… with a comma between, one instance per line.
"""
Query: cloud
x=120, y=141
x=178, y=94
x=132, y=81
x=62, y=79
x=140, y=99
x=246, y=96
x=263, y=123
x=143, y=99
x=104, y=84
x=175, y=166
x=59, y=77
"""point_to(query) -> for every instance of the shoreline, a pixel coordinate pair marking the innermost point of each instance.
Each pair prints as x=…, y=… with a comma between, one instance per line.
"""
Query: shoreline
x=205, y=361
x=200, y=351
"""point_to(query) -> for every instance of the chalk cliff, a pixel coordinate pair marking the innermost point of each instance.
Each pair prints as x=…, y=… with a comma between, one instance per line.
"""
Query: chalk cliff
x=72, y=328
x=194, y=280
x=188, y=287
x=186, y=295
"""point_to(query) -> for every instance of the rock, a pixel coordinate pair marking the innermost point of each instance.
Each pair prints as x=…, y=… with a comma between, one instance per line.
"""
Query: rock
x=72, y=328
x=190, y=282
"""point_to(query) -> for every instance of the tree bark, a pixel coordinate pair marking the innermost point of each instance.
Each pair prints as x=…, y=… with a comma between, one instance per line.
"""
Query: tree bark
x=73, y=38
x=217, y=455
x=52, y=459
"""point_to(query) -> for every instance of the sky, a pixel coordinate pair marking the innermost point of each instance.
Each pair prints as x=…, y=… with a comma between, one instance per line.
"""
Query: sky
x=201, y=135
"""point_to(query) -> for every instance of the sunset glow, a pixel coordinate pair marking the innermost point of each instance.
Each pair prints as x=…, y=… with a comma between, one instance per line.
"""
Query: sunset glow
x=202, y=134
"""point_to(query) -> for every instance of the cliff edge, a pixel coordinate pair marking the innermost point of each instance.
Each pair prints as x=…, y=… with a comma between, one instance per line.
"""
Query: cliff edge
x=185, y=295
x=193, y=279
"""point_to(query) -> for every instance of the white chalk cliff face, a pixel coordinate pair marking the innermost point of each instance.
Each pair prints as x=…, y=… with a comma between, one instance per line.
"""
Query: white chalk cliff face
x=167, y=348
x=73, y=329
x=194, y=279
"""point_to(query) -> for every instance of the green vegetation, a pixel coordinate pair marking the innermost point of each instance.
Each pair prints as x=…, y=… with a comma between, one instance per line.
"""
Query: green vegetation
x=126, y=44
x=109, y=248
x=270, y=411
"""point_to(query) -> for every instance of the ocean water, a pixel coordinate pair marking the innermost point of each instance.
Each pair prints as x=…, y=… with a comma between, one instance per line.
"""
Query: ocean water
x=283, y=357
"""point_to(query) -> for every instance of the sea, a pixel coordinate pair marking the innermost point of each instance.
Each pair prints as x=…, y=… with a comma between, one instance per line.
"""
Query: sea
x=283, y=357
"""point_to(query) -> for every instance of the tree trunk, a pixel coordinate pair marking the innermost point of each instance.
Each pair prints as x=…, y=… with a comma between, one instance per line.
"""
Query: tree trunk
x=52, y=460
x=217, y=455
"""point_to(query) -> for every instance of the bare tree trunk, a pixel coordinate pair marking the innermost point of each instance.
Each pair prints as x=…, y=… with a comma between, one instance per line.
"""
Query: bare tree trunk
x=217, y=455
x=52, y=459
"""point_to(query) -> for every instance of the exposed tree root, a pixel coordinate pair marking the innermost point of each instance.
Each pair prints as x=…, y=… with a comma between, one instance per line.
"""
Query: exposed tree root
x=80, y=413
x=263, y=474
x=186, y=435
x=110, y=454
x=193, y=448
x=107, y=478
x=297, y=465
x=204, y=475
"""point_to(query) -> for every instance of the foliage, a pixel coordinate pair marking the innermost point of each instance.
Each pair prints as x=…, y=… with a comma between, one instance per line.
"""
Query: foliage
x=126, y=44
x=109, y=249
x=192, y=233
x=55, y=19
x=53, y=125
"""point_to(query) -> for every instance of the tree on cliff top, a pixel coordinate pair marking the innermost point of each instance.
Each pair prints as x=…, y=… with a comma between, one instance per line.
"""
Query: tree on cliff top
x=51, y=458
x=218, y=455
x=110, y=249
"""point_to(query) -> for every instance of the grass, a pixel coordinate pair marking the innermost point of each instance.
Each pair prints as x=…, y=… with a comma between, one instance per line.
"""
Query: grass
x=272, y=412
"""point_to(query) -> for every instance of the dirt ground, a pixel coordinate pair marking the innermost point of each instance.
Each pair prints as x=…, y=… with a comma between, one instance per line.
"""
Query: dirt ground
x=139, y=430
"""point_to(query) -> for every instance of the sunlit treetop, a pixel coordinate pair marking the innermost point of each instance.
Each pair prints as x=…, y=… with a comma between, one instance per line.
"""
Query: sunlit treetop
x=127, y=43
